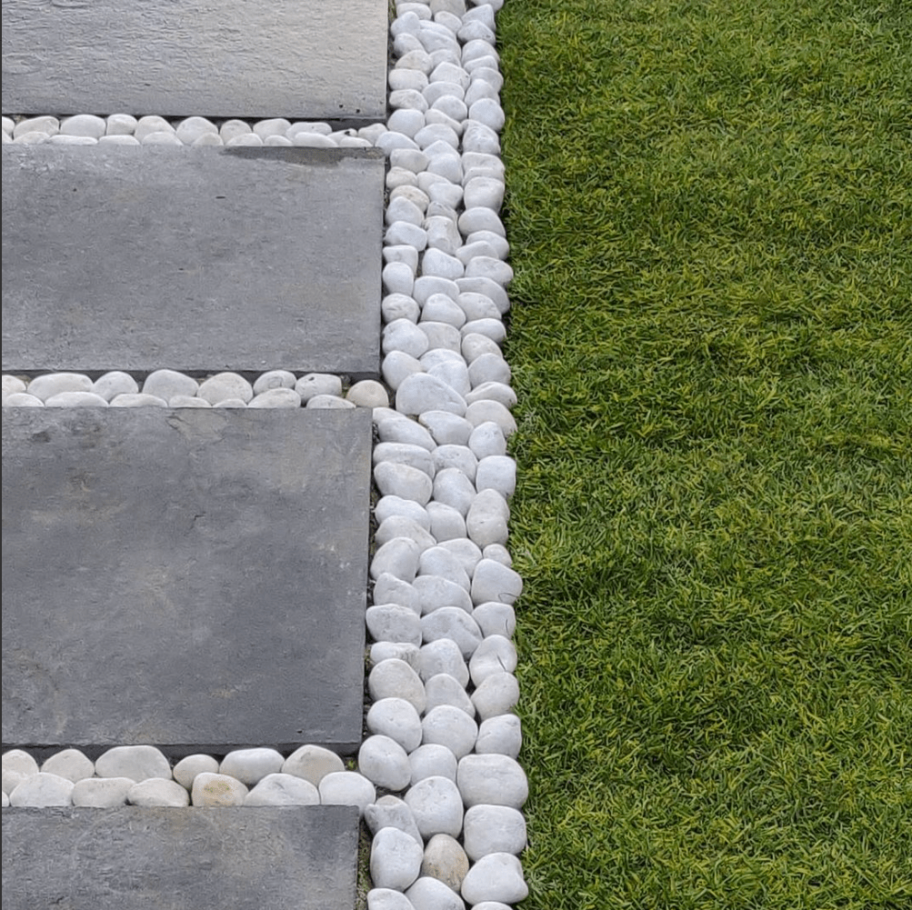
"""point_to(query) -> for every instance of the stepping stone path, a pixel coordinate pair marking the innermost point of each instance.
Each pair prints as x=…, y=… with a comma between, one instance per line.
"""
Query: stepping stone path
x=223, y=367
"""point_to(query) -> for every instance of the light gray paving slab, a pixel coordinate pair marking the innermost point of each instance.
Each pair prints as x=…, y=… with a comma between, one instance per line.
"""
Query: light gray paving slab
x=180, y=859
x=198, y=259
x=308, y=60
x=184, y=577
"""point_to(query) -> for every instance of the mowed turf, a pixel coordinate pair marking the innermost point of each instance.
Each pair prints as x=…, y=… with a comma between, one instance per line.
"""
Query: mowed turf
x=710, y=211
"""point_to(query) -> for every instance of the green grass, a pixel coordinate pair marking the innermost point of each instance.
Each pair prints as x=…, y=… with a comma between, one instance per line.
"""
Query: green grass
x=710, y=211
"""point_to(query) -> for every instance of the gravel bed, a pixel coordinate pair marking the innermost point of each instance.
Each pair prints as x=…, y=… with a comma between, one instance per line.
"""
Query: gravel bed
x=438, y=782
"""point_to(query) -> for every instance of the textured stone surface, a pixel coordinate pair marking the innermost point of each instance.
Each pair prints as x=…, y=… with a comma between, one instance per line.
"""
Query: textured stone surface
x=234, y=60
x=179, y=859
x=302, y=290
x=212, y=561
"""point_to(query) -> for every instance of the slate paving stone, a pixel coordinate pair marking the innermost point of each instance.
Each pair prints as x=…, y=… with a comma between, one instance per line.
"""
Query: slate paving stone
x=302, y=61
x=201, y=259
x=180, y=859
x=184, y=577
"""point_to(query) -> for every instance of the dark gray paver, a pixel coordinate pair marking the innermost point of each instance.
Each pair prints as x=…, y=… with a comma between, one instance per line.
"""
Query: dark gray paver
x=305, y=60
x=195, y=259
x=184, y=577
x=180, y=859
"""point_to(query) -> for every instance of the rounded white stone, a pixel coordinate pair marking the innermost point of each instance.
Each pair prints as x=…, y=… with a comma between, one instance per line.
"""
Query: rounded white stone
x=223, y=386
x=102, y=792
x=501, y=735
x=45, y=387
x=429, y=894
x=436, y=806
x=396, y=507
x=441, y=335
x=314, y=384
x=480, y=412
x=136, y=762
x=312, y=763
x=115, y=383
x=275, y=126
x=231, y=129
x=217, y=790
x=402, y=335
x=120, y=125
x=368, y=394
x=246, y=140
x=167, y=384
x=452, y=623
x=187, y=768
x=444, y=689
x=454, y=373
x=495, y=877
x=205, y=140
x=495, y=654
x=83, y=125
x=43, y=790
x=487, y=439
x=468, y=553
x=137, y=400
x=441, y=562
x=279, y=789
x=399, y=556
x=273, y=379
x=150, y=124
x=449, y=726
x=393, y=623
x=162, y=137
x=420, y=393
x=498, y=553
x=387, y=899
x=432, y=760
x=158, y=793
x=192, y=128
x=435, y=593
x=347, y=788
x=384, y=762
x=446, y=522
x=396, y=679
x=404, y=481
x=397, y=366
x=397, y=719
x=12, y=385
x=70, y=764
x=493, y=581
x=443, y=656
x=453, y=488
x=491, y=779
x=400, y=306
x=276, y=398
x=398, y=277
x=329, y=402
x=76, y=400
x=402, y=453
x=401, y=526
x=486, y=520
x=496, y=472
x=250, y=766
x=389, y=650
x=391, y=812
x=475, y=345
x=395, y=859
x=49, y=126
x=389, y=589
x=12, y=779
x=496, y=695
x=20, y=761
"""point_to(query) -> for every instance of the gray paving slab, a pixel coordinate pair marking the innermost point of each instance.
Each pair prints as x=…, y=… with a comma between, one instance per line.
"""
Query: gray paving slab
x=305, y=60
x=184, y=577
x=180, y=859
x=195, y=259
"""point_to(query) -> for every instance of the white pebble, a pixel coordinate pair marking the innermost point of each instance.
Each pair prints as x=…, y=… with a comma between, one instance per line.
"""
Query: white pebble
x=442, y=656
x=223, y=386
x=187, y=768
x=368, y=394
x=497, y=695
x=420, y=393
x=70, y=764
x=495, y=654
x=279, y=789
x=453, y=488
x=157, y=793
x=491, y=779
x=191, y=129
x=250, y=766
x=45, y=387
x=276, y=398
x=495, y=618
x=83, y=125
x=312, y=763
x=137, y=400
x=102, y=793
x=480, y=412
x=314, y=384
x=432, y=760
x=42, y=791
x=393, y=623
x=384, y=762
x=391, y=812
x=449, y=726
x=436, y=806
x=136, y=762
x=501, y=734
x=429, y=894
x=444, y=689
x=217, y=790
x=446, y=522
x=347, y=788
x=496, y=472
x=396, y=679
x=397, y=719
x=389, y=589
x=395, y=859
x=454, y=624
x=436, y=592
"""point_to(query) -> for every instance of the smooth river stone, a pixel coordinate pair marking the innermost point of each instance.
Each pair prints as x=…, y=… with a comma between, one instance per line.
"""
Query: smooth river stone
x=493, y=829
x=495, y=877
x=384, y=763
x=318, y=215
x=436, y=806
x=134, y=858
x=395, y=859
x=283, y=790
x=156, y=792
x=71, y=764
x=250, y=766
x=225, y=62
x=251, y=526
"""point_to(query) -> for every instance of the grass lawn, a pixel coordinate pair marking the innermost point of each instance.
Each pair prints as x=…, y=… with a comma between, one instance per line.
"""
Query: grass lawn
x=710, y=211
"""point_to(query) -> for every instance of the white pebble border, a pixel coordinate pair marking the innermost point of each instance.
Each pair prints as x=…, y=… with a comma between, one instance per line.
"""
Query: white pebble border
x=444, y=739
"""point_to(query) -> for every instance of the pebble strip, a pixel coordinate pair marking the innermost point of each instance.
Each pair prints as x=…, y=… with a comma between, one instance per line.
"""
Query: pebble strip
x=443, y=734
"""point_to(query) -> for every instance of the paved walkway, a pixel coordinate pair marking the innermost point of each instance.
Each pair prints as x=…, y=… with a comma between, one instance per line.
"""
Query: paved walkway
x=195, y=579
